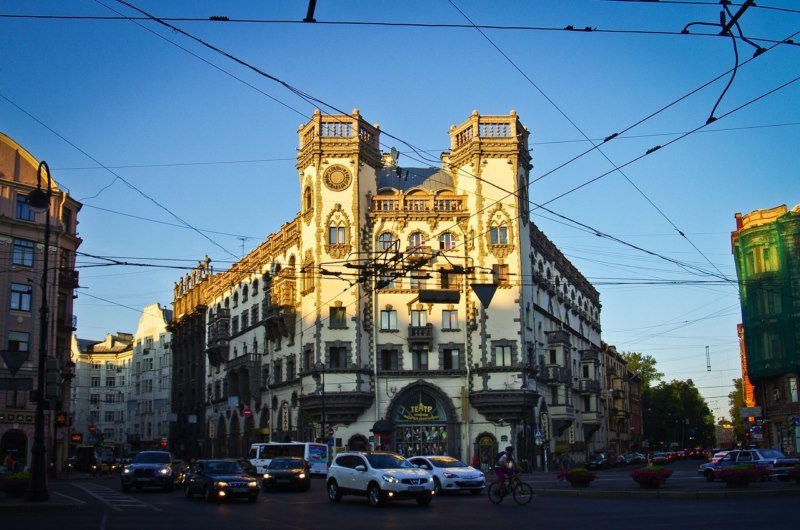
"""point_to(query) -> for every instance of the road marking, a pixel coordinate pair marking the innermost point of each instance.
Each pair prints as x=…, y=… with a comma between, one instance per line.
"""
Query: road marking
x=114, y=499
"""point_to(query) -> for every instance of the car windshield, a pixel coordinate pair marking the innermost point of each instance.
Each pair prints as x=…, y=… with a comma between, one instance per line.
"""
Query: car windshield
x=223, y=467
x=388, y=462
x=151, y=458
x=446, y=461
x=772, y=453
x=286, y=463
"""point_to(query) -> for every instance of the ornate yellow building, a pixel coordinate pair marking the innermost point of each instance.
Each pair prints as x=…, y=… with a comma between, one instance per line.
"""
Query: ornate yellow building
x=360, y=320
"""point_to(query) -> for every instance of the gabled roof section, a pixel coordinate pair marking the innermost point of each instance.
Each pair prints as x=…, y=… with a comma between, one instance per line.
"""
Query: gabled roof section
x=404, y=179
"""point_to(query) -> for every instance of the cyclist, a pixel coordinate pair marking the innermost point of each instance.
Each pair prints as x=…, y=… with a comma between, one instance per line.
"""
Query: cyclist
x=504, y=467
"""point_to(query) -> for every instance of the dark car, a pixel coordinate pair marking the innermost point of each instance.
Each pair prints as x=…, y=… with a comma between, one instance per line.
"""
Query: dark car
x=287, y=472
x=599, y=461
x=152, y=468
x=773, y=462
x=220, y=480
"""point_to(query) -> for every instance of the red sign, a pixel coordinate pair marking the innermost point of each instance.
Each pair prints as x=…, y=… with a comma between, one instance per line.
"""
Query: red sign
x=92, y=429
x=76, y=438
x=248, y=412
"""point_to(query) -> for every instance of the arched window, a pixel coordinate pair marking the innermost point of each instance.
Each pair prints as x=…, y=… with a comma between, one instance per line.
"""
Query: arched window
x=337, y=235
x=416, y=240
x=307, y=199
x=235, y=299
x=498, y=235
x=245, y=293
x=254, y=289
x=386, y=241
x=447, y=241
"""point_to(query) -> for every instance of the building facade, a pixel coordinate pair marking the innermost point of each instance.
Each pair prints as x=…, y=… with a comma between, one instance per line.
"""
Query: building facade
x=149, y=398
x=22, y=240
x=411, y=309
x=100, y=391
x=766, y=249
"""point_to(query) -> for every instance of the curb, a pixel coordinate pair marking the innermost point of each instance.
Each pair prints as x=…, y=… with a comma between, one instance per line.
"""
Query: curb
x=691, y=495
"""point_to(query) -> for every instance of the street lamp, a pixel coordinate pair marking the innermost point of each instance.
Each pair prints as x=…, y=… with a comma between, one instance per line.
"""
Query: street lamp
x=320, y=368
x=39, y=201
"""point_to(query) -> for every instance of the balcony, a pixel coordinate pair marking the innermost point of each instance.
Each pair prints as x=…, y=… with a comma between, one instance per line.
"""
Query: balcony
x=555, y=374
x=67, y=323
x=247, y=361
x=590, y=356
x=420, y=335
x=422, y=253
x=561, y=416
x=592, y=418
x=68, y=278
x=441, y=205
x=588, y=386
x=218, y=337
x=279, y=321
x=558, y=336
x=506, y=405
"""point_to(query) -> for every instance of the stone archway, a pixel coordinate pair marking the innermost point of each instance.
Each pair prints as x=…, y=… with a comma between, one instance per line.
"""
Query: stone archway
x=16, y=442
x=235, y=437
x=425, y=421
x=486, y=448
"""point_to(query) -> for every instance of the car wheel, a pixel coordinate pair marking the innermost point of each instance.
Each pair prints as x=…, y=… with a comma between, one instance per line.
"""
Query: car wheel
x=187, y=492
x=437, y=486
x=333, y=491
x=374, y=495
x=709, y=476
x=208, y=495
x=423, y=501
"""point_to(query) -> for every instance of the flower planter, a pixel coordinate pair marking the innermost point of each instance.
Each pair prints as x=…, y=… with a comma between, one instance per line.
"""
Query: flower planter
x=15, y=487
x=651, y=477
x=578, y=477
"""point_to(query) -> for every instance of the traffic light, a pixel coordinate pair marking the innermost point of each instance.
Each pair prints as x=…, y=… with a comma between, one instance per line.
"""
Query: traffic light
x=52, y=379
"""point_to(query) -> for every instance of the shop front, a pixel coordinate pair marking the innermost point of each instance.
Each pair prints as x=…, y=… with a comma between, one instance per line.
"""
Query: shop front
x=425, y=422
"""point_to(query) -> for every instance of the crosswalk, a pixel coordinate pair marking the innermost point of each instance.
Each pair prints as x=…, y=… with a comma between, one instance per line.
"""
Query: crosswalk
x=114, y=499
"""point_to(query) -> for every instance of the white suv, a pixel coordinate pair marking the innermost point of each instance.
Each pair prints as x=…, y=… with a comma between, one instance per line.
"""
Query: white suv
x=378, y=476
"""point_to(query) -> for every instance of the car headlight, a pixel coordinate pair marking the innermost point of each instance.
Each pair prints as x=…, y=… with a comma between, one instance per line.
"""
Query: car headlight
x=267, y=475
x=165, y=470
x=126, y=471
x=390, y=479
x=222, y=484
x=447, y=474
x=252, y=484
x=430, y=479
x=301, y=476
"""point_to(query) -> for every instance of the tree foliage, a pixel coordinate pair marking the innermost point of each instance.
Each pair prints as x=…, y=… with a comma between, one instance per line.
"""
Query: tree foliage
x=736, y=401
x=644, y=366
x=676, y=413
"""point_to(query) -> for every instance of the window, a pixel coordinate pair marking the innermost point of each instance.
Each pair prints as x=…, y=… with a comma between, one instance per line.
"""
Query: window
x=245, y=320
x=587, y=404
x=278, y=371
x=390, y=360
x=336, y=235
x=419, y=317
x=337, y=357
x=386, y=280
x=66, y=219
x=24, y=212
x=450, y=279
x=498, y=235
x=419, y=360
x=417, y=279
x=147, y=385
x=450, y=319
x=96, y=365
x=23, y=252
x=338, y=318
x=450, y=359
x=307, y=199
x=110, y=365
x=502, y=355
x=110, y=381
x=308, y=359
x=447, y=241
x=388, y=320
x=416, y=241
x=20, y=297
x=500, y=274
x=109, y=416
x=291, y=365
x=94, y=399
x=254, y=317
x=235, y=299
x=96, y=381
x=235, y=324
x=18, y=341
x=792, y=388
x=386, y=241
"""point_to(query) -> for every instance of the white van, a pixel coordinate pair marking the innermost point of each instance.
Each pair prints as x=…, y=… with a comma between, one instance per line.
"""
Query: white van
x=261, y=454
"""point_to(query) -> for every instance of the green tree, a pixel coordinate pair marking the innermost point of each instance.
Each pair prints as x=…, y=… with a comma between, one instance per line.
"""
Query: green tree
x=675, y=414
x=644, y=366
x=736, y=401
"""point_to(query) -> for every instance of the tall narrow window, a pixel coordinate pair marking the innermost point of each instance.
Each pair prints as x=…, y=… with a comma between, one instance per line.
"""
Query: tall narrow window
x=498, y=235
x=502, y=355
x=22, y=253
x=416, y=242
x=338, y=317
x=336, y=235
x=500, y=274
x=307, y=199
x=417, y=279
x=419, y=360
x=337, y=357
x=20, y=297
x=390, y=360
x=419, y=317
x=450, y=359
x=386, y=241
x=389, y=320
x=450, y=319
x=447, y=241
x=24, y=212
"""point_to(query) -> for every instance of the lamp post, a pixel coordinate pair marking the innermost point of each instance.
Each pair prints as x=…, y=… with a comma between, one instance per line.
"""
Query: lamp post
x=320, y=367
x=39, y=201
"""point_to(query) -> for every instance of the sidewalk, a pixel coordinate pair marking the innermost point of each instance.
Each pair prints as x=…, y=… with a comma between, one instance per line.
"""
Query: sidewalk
x=57, y=501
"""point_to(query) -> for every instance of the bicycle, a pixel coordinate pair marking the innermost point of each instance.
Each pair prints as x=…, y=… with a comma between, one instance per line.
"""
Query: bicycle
x=522, y=492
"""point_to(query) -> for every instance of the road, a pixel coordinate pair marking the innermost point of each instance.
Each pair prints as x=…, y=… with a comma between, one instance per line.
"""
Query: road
x=108, y=508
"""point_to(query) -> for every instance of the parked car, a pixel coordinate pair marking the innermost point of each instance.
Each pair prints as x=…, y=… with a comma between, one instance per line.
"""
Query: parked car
x=451, y=474
x=380, y=476
x=634, y=458
x=152, y=468
x=287, y=472
x=717, y=455
x=659, y=459
x=774, y=462
x=599, y=461
x=220, y=480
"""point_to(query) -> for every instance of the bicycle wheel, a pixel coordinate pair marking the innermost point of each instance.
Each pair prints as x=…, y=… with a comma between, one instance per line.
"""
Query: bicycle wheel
x=494, y=494
x=523, y=493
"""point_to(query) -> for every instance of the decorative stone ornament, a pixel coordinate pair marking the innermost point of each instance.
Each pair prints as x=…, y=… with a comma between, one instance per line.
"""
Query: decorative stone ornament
x=337, y=178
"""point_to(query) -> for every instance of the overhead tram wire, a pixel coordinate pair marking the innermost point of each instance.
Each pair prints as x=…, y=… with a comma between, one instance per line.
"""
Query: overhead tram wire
x=709, y=4
x=599, y=150
x=117, y=175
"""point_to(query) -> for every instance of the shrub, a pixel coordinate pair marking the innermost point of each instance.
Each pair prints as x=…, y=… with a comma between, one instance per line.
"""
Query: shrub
x=577, y=474
x=651, y=475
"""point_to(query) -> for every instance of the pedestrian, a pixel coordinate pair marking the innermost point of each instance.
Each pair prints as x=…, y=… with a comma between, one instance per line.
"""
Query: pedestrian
x=476, y=462
x=9, y=462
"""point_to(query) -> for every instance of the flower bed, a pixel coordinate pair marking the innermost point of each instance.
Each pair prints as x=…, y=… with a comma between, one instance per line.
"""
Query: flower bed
x=577, y=476
x=740, y=476
x=15, y=484
x=651, y=476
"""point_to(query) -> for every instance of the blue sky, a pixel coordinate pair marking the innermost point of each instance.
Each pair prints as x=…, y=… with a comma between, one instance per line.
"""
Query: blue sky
x=220, y=154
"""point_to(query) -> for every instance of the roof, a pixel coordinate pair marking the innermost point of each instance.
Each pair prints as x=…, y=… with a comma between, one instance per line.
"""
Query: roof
x=405, y=179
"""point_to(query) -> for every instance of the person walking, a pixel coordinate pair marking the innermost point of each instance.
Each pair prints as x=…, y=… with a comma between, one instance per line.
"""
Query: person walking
x=9, y=461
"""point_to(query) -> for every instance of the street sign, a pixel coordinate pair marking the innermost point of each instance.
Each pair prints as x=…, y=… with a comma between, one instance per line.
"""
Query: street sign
x=92, y=429
x=538, y=433
x=247, y=412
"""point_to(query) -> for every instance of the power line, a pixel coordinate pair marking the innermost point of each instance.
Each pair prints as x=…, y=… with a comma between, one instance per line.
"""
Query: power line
x=709, y=4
